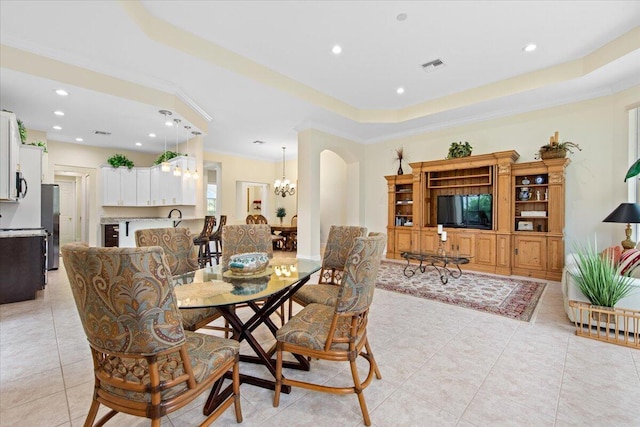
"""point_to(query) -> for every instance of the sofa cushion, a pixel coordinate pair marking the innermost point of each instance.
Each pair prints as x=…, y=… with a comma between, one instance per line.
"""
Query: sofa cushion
x=629, y=261
x=615, y=252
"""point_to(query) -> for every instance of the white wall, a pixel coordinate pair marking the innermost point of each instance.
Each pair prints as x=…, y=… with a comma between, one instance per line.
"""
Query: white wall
x=333, y=193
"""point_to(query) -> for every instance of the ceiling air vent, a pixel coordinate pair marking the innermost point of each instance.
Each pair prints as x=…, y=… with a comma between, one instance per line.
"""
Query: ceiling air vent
x=432, y=65
x=101, y=132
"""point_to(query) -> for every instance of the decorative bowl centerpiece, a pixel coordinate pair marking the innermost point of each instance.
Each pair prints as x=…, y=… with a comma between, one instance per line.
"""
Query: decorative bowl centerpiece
x=249, y=263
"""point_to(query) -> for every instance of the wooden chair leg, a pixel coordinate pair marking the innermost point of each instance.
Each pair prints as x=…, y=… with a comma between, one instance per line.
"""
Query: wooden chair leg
x=276, y=396
x=93, y=411
x=372, y=360
x=358, y=390
x=236, y=390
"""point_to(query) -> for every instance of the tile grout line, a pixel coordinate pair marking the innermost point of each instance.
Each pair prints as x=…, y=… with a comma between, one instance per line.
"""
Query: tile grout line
x=564, y=367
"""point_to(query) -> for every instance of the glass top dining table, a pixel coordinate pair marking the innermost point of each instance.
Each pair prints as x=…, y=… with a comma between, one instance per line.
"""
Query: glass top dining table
x=211, y=287
x=263, y=293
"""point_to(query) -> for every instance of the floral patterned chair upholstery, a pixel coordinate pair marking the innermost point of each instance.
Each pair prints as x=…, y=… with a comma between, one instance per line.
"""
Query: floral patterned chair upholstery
x=145, y=363
x=338, y=332
x=339, y=243
x=181, y=254
x=244, y=238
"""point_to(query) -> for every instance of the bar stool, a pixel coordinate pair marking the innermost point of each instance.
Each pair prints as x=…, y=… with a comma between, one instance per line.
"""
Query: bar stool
x=216, y=239
x=202, y=241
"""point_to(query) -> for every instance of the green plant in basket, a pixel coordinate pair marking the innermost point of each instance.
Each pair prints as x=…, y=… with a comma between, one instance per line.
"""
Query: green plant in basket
x=281, y=213
x=459, y=149
x=118, y=160
x=598, y=277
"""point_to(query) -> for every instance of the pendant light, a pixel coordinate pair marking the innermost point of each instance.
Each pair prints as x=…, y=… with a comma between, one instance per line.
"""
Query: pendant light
x=195, y=175
x=177, y=171
x=284, y=187
x=165, y=167
x=187, y=172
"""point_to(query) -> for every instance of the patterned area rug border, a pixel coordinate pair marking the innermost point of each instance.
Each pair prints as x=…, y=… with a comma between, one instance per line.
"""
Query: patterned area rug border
x=505, y=296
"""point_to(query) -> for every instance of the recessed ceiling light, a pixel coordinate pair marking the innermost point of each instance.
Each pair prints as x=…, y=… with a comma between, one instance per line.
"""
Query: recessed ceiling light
x=139, y=144
x=79, y=139
x=152, y=135
x=59, y=113
x=401, y=16
x=56, y=127
x=62, y=92
x=530, y=47
x=400, y=90
x=337, y=49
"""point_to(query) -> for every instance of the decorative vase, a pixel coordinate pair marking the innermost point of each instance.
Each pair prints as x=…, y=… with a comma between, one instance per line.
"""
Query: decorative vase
x=400, y=172
x=281, y=220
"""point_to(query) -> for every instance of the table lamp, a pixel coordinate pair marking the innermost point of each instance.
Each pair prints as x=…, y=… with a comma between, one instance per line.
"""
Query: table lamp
x=626, y=213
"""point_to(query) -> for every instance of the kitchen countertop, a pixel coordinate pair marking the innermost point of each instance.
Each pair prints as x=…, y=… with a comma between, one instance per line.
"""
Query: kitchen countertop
x=22, y=233
x=116, y=220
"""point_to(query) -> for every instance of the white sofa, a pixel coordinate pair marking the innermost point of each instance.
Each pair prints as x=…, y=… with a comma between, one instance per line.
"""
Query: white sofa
x=570, y=291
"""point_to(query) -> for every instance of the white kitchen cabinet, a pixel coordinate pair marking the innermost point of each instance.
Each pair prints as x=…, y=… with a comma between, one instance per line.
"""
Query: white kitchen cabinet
x=149, y=186
x=9, y=155
x=119, y=186
x=143, y=187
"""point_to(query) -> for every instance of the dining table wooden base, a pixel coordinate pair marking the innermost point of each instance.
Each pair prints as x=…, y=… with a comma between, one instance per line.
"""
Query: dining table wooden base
x=243, y=330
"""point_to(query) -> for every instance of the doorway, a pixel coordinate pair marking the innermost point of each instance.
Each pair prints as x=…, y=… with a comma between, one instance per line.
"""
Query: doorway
x=68, y=210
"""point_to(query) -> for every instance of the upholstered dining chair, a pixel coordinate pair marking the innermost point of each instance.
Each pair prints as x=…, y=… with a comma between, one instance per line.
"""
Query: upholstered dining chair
x=216, y=239
x=181, y=255
x=202, y=241
x=339, y=243
x=145, y=363
x=277, y=241
x=339, y=332
x=244, y=238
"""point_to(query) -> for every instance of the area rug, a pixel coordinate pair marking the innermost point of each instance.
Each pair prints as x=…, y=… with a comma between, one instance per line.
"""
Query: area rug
x=504, y=296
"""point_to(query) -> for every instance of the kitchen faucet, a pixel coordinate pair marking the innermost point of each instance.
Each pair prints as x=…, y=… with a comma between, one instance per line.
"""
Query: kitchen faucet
x=175, y=223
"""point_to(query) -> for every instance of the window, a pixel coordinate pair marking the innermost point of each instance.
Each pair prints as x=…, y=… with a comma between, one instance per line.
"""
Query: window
x=212, y=190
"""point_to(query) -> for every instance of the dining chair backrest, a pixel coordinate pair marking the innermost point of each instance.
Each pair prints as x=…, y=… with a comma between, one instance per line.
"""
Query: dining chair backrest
x=294, y=220
x=339, y=243
x=360, y=272
x=129, y=290
x=244, y=238
x=177, y=244
x=256, y=219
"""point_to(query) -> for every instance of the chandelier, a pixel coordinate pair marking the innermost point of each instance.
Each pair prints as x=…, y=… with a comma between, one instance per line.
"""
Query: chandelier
x=284, y=187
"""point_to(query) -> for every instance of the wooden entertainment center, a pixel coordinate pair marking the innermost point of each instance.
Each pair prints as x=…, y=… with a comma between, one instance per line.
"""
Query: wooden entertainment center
x=525, y=233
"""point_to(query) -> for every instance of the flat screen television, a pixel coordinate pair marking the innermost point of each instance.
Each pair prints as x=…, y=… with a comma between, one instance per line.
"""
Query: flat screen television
x=465, y=211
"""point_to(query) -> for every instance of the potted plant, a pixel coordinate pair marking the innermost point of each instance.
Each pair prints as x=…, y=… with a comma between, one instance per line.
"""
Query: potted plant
x=281, y=213
x=118, y=160
x=599, y=278
x=459, y=149
x=166, y=156
x=22, y=130
x=555, y=149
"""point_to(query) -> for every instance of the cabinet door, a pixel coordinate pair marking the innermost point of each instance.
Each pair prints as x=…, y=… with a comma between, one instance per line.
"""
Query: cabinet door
x=143, y=187
x=110, y=186
x=530, y=252
x=429, y=241
x=461, y=244
x=154, y=185
x=485, y=249
x=128, y=187
x=403, y=241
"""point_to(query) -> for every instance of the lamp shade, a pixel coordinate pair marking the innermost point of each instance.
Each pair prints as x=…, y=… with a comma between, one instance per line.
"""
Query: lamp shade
x=625, y=213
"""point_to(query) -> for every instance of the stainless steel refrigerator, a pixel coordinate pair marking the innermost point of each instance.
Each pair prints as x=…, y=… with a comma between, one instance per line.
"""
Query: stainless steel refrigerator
x=50, y=218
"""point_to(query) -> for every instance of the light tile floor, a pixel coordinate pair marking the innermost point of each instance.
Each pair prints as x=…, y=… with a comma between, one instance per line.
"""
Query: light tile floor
x=441, y=366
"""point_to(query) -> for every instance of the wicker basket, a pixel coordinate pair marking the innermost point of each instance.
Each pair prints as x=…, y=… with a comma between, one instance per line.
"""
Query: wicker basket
x=553, y=154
